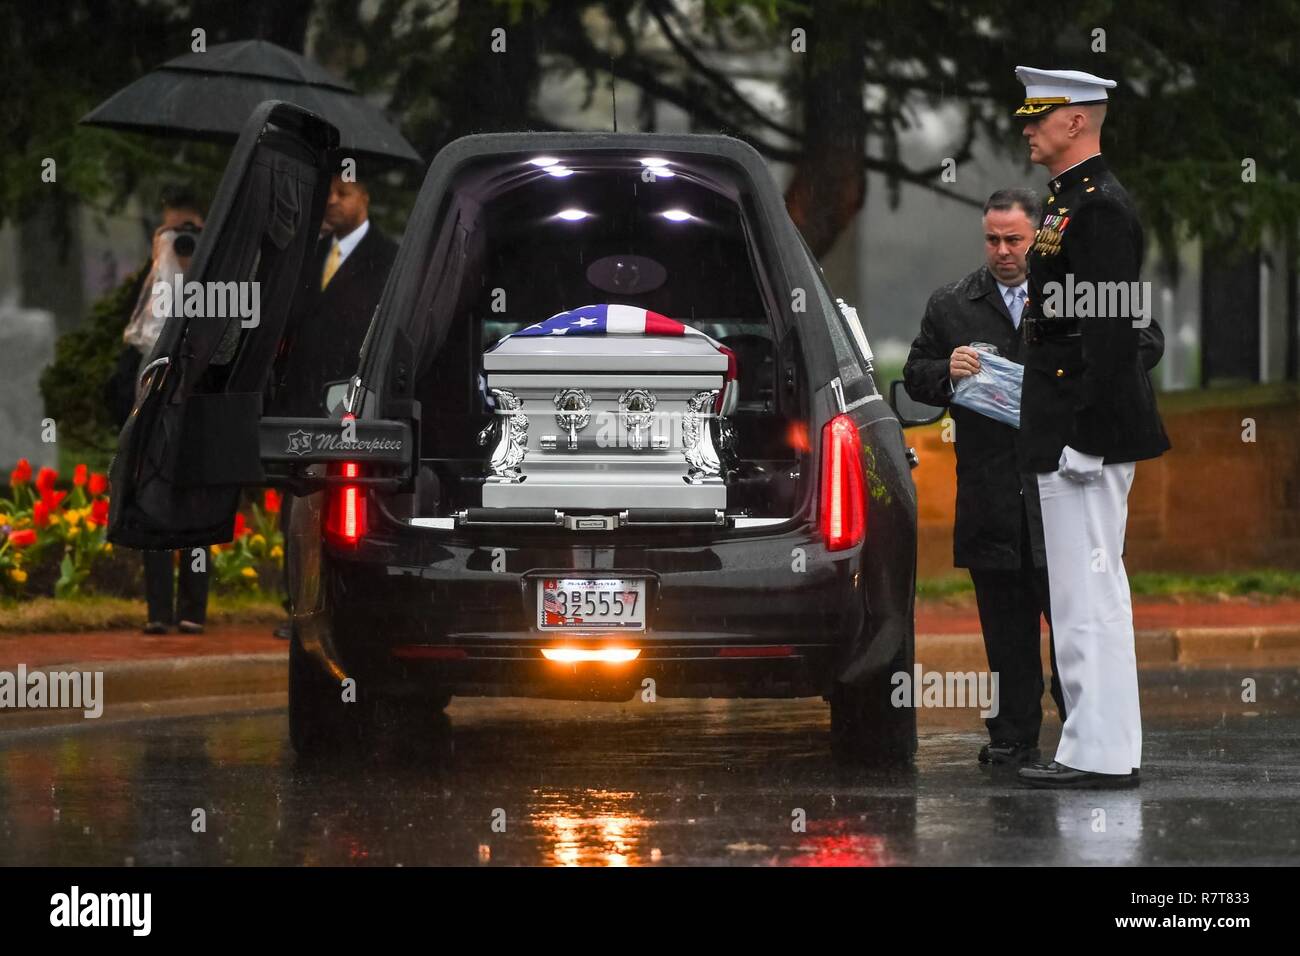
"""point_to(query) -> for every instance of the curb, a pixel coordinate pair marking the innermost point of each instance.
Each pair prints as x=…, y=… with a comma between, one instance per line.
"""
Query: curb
x=229, y=675
x=1254, y=646
x=129, y=684
x=133, y=684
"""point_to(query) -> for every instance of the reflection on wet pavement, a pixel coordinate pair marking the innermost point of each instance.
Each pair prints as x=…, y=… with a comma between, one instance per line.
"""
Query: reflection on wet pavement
x=512, y=781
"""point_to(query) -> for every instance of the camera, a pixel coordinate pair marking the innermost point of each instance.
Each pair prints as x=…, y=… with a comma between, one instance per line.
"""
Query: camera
x=186, y=239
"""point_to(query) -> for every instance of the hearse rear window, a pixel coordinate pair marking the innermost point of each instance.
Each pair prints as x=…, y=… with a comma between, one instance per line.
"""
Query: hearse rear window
x=608, y=236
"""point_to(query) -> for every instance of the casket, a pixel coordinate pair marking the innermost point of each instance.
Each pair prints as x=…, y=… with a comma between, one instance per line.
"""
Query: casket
x=605, y=422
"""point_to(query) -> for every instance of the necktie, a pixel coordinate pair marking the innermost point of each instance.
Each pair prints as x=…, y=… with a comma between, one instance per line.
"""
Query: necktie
x=331, y=264
x=1015, y=304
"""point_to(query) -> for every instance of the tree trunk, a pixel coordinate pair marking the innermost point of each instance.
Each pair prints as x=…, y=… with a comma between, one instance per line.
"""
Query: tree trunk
x=829, y=184
x=495, y=90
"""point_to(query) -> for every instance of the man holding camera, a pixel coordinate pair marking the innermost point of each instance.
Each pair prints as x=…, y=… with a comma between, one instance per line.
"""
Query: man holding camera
x=176, y=598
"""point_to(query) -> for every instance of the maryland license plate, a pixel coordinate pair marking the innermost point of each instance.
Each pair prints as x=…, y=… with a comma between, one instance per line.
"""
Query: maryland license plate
x=570, y=604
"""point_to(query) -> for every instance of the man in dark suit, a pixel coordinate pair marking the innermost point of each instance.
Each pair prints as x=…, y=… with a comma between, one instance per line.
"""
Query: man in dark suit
x=997, y=534
x=350, y=268
x=351, y=265
x=1088, y=414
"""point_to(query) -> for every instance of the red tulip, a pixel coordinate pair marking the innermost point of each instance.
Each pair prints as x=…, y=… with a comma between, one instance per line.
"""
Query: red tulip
x=98, y=484
x=22, y=473
x=45, y=479
x=79, y=475
x=40, y=514
x=99, y=511
x=271, y=501
x=51, y=498
x=241, y=526
x=23, y=538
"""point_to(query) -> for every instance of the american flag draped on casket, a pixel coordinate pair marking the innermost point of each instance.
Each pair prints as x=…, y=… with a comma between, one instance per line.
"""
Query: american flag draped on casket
x=621, y=320
x=607, y=407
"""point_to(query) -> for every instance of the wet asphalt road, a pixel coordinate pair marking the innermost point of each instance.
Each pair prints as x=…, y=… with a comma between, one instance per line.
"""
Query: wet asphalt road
x=675, y=782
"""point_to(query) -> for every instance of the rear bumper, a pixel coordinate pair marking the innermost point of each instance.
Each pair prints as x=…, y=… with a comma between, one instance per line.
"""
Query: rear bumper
x=518, y=669
x=756, y=615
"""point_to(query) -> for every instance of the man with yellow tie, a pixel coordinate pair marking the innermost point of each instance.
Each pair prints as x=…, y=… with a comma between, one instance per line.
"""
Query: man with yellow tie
x=352, y=260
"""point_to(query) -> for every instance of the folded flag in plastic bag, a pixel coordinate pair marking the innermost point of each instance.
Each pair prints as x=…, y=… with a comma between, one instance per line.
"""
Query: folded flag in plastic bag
x=993, y=391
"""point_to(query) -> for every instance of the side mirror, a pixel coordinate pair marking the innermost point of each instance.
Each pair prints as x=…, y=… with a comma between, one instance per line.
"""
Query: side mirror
x=335, y=394
x=909, y=412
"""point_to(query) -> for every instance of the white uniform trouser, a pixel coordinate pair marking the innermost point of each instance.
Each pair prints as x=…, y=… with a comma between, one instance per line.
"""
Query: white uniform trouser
x=1092, y=619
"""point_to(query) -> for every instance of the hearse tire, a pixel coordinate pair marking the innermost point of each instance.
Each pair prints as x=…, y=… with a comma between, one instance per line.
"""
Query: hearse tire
x=320, y=721
x=866, y=729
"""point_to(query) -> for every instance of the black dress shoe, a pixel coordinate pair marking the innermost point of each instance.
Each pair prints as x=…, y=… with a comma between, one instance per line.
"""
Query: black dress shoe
x=155, y=627
x=1004, y=752
x=1058, y=775
x=283, y=632
x=190, y=627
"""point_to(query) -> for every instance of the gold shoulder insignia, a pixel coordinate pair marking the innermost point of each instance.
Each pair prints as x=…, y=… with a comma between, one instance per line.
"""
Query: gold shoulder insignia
x=1062, y=210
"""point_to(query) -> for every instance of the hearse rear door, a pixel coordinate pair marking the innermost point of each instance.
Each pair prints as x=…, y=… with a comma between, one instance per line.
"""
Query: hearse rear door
x=197, y=435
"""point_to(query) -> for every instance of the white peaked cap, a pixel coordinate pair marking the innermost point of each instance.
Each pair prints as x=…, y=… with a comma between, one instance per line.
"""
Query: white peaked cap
x=1047, y=89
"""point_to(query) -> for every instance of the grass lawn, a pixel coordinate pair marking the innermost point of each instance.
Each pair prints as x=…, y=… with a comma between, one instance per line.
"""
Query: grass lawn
x=94, y=613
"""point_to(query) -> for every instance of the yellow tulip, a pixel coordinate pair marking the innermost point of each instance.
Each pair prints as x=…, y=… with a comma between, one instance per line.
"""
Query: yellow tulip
x=18, y=574
x=277, y=552
x=248, y=573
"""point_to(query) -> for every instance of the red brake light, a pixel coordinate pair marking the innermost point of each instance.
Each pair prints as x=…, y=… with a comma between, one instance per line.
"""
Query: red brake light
x=843, y=490
x=345, y=517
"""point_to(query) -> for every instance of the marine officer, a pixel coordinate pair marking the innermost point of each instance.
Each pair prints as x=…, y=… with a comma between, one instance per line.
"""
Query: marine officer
x=1088, y=413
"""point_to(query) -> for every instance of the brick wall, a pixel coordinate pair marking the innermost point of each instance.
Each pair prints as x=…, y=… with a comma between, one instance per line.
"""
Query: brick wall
x=1213, y=503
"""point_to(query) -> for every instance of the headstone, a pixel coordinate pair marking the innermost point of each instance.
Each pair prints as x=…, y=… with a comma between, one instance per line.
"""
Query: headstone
x=26, y=347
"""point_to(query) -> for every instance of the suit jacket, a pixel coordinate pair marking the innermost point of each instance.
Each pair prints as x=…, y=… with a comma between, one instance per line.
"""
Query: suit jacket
x=331, y=324
x=1086, y=384
x=990, y=485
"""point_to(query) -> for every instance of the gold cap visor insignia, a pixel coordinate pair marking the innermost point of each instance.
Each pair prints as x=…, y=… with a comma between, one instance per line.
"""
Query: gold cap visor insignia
x=1037, y=105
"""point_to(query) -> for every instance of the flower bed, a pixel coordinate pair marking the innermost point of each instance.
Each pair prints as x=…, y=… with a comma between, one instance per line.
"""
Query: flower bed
x=53, y=541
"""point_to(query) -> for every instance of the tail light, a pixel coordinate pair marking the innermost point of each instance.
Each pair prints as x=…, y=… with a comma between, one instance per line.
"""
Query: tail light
x=843, y=490
x=345, y=514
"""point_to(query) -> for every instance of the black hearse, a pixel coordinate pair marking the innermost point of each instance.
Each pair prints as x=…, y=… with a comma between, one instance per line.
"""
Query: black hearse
x=401, y=580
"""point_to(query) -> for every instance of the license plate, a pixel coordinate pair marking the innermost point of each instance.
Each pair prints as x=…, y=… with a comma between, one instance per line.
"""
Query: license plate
x=570, y=604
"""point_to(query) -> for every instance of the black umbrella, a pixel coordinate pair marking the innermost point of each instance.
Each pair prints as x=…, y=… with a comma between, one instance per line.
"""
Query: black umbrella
x=209, y=96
